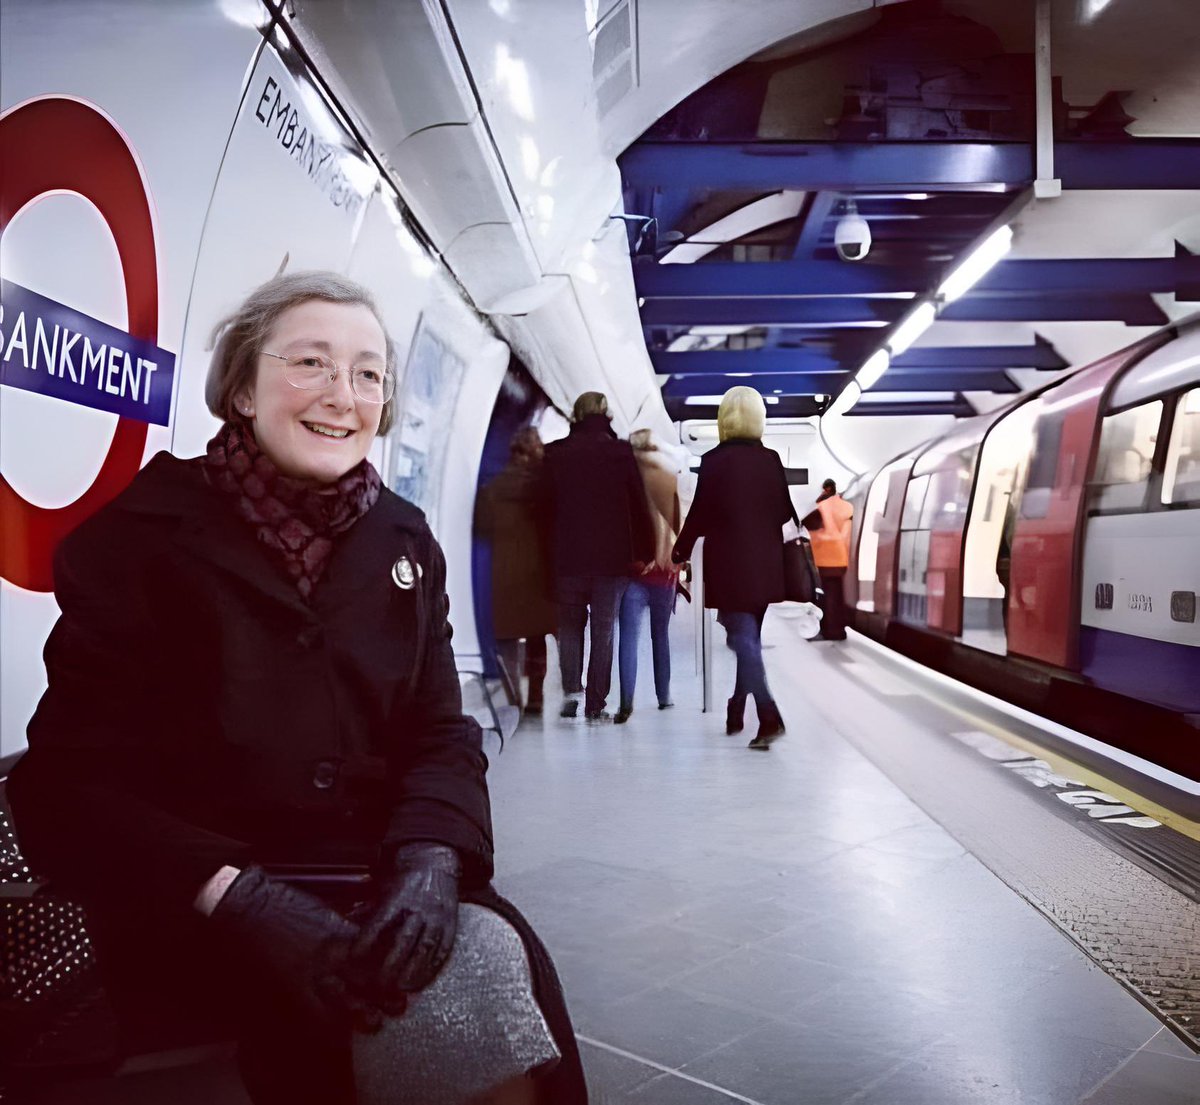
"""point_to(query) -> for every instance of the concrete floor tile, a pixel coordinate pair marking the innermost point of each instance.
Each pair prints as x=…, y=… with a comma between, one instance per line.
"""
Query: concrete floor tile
x=784, y=1065
x=670, y=1089
x=1152, y=1078
x=667, y=1025
x=611, y=1076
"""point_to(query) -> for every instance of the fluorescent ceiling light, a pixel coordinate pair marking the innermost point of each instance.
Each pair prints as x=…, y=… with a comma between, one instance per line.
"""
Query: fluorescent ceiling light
x=909, y=397
x=915, y=323
x=702, y=400
x=873, y=368
x=850, y=395
x=976, y=265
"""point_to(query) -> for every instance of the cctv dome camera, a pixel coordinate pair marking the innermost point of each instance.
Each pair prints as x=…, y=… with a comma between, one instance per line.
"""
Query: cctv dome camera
x=852, y=236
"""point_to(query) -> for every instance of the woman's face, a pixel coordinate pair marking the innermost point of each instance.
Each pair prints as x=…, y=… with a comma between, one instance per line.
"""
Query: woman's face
x=318, y=435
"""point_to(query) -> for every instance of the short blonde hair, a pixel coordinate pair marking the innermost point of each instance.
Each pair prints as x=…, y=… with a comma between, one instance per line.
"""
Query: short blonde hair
x=643, y=441
x=742, y=414
x=589, y=403
x=239, y=338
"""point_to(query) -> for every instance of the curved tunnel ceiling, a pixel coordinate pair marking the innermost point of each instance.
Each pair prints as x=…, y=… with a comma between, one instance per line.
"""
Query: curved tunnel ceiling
x=921, y=113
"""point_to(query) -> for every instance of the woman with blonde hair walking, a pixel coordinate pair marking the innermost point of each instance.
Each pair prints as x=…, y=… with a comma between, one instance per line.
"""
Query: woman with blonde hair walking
x=741, y=505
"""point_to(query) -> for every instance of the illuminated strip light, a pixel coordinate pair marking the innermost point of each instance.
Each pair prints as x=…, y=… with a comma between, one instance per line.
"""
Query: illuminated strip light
x=849, y=396
x=714, y=400
x=976, y=265
x=915, y=323
x=873, y=369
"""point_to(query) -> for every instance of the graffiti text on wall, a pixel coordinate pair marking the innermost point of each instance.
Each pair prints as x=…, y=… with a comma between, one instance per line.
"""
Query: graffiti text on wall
x=53, y=350
x=319, y=159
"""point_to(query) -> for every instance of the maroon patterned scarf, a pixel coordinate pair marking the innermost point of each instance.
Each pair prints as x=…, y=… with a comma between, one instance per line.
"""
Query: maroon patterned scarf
x=296, y=521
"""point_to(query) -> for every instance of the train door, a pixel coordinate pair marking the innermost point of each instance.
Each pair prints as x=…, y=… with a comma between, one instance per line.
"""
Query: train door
x=1003, y=463
x=887, y=533
x=867, y=524
x=913, y=559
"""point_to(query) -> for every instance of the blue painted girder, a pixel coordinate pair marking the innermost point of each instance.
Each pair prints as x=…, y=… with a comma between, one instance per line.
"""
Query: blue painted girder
x=830, y=383
x=771, y=312
x=958, y=406
x=710, y=362
x=1153, y=163
x=1133, y=310
x=717, y=279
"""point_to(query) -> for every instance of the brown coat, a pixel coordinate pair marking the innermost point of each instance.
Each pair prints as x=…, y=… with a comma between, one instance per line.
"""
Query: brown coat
x=507, y=514
x=662, y=495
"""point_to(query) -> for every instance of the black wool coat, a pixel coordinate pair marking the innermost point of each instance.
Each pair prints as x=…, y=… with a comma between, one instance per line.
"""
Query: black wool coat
x=593, y=490
x=200, y=713
x=740, y=507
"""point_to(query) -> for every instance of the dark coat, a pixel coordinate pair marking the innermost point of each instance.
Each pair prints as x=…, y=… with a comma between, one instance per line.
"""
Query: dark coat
x=200, y=713
x=740, y=507
x=594, y=491
x=509, y=514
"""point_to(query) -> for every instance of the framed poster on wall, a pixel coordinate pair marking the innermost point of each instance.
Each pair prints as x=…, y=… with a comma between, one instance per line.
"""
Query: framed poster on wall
x=424, y=414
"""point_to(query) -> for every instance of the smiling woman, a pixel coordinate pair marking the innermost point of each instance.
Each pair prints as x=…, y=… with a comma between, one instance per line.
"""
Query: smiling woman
x=251, y=684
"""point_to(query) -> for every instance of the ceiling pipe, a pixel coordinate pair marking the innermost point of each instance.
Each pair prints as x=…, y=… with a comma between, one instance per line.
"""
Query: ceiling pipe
x=1046, y=185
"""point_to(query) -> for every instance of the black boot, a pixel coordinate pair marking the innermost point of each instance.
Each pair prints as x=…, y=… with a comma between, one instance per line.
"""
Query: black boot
x=735, y=715
x=770, y=726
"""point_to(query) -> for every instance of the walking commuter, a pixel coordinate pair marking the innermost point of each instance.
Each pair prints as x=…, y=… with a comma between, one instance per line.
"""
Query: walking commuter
x=654, y=587
x=740, y=507
x=507, y=514
x=831, y=551
x=251, y=764
x=601, y=528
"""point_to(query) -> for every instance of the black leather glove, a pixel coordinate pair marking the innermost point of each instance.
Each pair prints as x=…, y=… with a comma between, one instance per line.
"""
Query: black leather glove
x=299, y=946
x=409, y=932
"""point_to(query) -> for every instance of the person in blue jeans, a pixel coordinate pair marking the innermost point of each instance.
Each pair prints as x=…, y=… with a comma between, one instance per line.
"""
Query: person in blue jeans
x=740, y=507
x=592, y=491
x=654, y=586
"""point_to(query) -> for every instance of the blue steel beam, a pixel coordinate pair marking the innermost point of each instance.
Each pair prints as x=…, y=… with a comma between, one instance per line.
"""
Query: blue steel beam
x=1041, y=354
x=771, y=312
x=1154, y=163
x=824, y=166
x=715, y=361
x=820, y=207
x=786, y=383
x=958, y=406
x=798, y=383
x=1132, y=310
x=716, y=279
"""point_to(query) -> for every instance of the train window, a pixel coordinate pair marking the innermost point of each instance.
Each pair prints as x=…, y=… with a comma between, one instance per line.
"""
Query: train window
x=1047, y=441
x=914, y=500
x=1181, y=480
x=1125, y=457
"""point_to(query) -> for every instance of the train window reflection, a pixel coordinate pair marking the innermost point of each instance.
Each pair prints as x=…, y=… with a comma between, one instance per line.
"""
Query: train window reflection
x=1126, y=457
x=1181, y=480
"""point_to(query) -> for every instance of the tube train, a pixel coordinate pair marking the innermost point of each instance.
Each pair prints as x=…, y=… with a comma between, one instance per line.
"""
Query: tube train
x=1049, y=552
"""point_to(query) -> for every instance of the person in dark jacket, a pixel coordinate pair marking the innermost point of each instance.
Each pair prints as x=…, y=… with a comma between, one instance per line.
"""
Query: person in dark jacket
x=740, y=507
x=602, y=532
x=507, y=514
x=252, y=680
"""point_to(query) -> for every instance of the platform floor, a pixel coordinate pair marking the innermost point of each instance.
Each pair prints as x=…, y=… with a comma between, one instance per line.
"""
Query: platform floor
x=790, y=927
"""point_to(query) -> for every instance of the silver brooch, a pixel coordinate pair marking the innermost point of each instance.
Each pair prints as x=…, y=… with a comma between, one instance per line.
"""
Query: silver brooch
x=403, y=575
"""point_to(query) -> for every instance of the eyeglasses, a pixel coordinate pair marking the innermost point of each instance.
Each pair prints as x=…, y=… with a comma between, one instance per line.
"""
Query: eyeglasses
x=314, y=371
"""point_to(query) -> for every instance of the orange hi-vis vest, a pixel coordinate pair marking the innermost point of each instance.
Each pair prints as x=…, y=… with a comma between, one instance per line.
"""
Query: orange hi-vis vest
x=831, y=543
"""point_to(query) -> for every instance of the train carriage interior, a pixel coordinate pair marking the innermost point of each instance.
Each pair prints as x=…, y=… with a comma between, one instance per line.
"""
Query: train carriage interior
x=952, y=246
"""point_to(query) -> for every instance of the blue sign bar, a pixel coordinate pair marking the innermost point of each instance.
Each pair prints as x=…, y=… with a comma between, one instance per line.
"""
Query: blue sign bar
x=53, y=350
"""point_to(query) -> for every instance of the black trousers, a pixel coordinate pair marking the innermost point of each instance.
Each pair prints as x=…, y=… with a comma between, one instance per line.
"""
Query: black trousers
x=833, y=623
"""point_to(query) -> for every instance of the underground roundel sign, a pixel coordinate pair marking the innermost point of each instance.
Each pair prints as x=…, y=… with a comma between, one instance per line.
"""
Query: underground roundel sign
x=57, y=144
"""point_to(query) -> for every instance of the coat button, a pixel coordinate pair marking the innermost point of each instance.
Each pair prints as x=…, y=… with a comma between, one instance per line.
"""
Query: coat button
x=311, y=637
x=325, y=775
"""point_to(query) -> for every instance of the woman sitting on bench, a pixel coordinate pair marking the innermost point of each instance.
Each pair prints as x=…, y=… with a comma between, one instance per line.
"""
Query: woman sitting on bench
x=252, y=698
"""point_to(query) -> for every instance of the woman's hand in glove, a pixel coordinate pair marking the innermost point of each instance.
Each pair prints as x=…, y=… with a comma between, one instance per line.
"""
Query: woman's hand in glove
x=299, y=944
x=407, y=936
